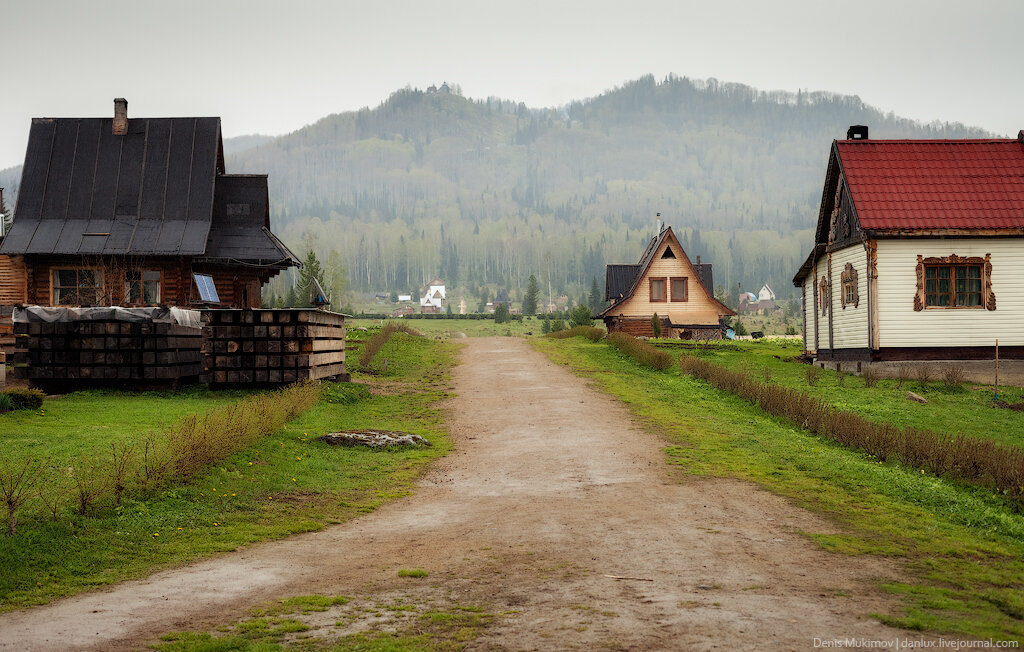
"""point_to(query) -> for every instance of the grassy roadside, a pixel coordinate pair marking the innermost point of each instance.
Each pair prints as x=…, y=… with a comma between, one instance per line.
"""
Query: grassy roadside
x=966, y=409
x=453, y=327
x=287, y=483
x=963, y=546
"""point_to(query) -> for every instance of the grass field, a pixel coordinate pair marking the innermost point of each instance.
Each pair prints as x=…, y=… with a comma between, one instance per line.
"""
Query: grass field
x=454, y=328
x=963, y=546
x=967, y=409
x=286, y=484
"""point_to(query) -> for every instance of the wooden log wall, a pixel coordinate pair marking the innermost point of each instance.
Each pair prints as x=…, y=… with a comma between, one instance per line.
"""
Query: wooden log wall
x=271, y=347
x=85, y=353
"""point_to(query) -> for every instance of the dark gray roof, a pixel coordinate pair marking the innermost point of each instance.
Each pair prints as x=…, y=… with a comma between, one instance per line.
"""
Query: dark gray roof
x=706, y=276
x=241, y=225
x=85, y=190
x=618, y=279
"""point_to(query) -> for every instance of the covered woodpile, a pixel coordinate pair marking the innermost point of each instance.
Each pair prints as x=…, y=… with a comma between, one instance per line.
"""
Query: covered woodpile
x=63, y=348
x=270, y=347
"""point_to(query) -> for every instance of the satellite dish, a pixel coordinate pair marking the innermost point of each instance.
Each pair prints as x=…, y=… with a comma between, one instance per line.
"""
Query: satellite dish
x=317, y=296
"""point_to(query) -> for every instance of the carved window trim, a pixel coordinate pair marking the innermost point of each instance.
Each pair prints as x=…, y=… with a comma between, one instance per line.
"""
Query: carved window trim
x=823, y=296
x=850, y=293
x=988, y=297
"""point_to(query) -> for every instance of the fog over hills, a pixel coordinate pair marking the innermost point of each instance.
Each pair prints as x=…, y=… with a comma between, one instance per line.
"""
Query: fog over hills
x=487, y=192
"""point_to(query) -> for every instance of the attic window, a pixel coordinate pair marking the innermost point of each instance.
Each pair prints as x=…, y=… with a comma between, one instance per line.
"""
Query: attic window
x=237, y=209
x=668, y=253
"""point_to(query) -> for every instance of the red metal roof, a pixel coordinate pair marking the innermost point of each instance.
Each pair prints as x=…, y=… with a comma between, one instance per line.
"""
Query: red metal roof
x=935, y=184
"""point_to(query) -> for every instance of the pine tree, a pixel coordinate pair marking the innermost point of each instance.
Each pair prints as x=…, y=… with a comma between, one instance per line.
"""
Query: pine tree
x=580, y=316
x=656, y=324
x=595, y=297
x=530, y=299
x=501, y=313
x=545, y=326
x=291, y=299
x=310, y=270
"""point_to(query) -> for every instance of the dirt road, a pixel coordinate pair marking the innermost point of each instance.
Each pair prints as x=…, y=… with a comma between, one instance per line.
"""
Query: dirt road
x=550, y=498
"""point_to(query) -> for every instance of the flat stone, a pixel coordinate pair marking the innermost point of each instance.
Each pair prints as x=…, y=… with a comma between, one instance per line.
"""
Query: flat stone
x=911, y=396
x=373, y=438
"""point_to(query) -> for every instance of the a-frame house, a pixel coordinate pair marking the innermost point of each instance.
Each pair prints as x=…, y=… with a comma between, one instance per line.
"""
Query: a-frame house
x=665, y=283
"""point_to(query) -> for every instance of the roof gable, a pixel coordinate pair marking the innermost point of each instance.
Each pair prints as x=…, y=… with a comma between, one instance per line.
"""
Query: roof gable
x=85, y=190
x=914, y=185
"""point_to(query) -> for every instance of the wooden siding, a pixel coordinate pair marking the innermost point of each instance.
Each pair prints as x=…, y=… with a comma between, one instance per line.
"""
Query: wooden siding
x=900, y=326
x=850, y=324
x=237, y=287
x=12, y=280
x=699, y=309
x=810, y=311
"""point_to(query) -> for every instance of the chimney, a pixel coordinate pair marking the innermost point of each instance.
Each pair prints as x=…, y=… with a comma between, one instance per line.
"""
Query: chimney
x=1020, y=138
x=857, y=132
x=659, y=223
x=120, y=125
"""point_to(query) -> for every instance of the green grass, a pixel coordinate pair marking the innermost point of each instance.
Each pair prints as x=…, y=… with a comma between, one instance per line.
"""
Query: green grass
x=962, y=545
x=288, y=483
x=412, y=572
x=406, y=627
x=452, y=327
x=967, y=411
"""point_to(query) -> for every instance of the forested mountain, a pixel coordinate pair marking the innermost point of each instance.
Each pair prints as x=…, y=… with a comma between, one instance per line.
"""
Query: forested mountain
x=489, y=191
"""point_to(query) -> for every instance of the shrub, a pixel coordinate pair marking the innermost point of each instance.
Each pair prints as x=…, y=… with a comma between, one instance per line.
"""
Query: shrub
x=656, y=324
x=6, y=402
x=953, y=377
x=924, y=374
x=589, y=332
x=869, y=376
x=640, y=351
x=902, y=375
x=557, y=324
x=580, y=316
x=813, y=375
x=374, y=343
x=974, y=459
x=26, y=399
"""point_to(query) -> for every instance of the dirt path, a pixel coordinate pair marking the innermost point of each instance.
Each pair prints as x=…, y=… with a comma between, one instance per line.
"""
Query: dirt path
x=551, y=490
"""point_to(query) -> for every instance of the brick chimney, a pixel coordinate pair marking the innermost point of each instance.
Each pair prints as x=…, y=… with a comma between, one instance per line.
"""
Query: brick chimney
x=120, y=126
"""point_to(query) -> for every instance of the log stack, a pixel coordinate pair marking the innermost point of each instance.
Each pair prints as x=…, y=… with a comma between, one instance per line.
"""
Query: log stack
x=104, y=352
x=271, y=347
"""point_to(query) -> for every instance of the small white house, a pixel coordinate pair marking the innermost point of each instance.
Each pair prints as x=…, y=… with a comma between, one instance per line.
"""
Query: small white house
x=433, y=301
x=765, y=293
x=918, y=252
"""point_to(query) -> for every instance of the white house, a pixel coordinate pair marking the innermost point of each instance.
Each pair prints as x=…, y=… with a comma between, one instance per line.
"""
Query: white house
x=918, y=252
x=765, y=293
x=434, y=298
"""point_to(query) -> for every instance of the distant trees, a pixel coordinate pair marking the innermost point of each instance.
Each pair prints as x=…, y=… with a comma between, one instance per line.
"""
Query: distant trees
x=530, y=298
x=595, y=299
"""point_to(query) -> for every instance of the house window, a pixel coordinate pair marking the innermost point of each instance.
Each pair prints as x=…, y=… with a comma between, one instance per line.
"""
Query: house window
x=851, y=293
x=77, y=287
x=668, y=253
x=952, y=285
x=142, y=287
x=954, y=282
x=658, y=289
x=679, y=288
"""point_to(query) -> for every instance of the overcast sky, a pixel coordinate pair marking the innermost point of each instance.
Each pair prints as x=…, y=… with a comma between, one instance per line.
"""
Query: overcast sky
x=272, y=67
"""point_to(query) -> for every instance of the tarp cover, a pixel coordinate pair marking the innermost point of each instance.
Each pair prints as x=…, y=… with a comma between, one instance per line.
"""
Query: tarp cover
x=108, y=313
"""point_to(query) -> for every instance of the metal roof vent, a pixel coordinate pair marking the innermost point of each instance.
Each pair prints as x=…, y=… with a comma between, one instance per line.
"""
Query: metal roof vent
x=120, y=125
x=857, y=132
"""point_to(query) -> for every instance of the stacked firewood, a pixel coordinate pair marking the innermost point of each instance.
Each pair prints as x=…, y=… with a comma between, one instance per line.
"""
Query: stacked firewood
x=271, y=347
x=49, y=353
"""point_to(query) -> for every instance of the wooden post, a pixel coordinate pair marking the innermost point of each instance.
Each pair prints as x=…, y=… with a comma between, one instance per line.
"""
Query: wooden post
x=997, y=370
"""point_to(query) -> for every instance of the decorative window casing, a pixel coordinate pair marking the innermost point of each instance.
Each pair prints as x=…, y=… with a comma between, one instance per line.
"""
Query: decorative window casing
x=823, y=298
x=658, y=289
x=850, y=295
x=142, y=287
x=954, y=282
x=679, y=288
x=76, y=286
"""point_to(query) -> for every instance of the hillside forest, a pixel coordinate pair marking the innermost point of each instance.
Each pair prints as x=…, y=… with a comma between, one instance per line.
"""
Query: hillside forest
x=485, y=193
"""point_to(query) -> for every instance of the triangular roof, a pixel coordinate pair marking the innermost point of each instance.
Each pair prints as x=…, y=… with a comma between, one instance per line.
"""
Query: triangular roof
x=935, y=184
x=640, y=270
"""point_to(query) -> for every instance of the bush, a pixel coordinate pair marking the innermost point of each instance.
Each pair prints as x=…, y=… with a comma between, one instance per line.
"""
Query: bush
x=6, y=402
x=869, y=376
x=953, y=377
x=589, y=332
x=557, y=324
x=656, y=325
x=26, y=399
x=580, y=316
x=640, y=351
x=813, y=375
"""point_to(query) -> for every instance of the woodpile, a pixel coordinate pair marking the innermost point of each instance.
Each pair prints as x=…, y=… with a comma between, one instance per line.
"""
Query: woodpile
x=271, y=347
x=50, y=353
